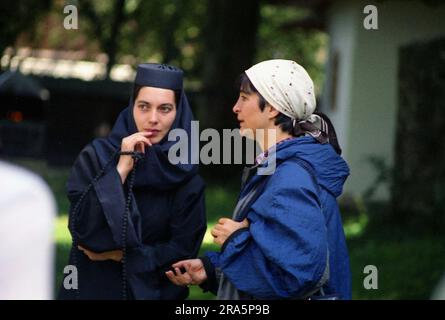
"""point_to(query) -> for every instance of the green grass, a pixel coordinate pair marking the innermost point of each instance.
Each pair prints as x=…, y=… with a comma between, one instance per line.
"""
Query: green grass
x=407, y=269
x=409, y=266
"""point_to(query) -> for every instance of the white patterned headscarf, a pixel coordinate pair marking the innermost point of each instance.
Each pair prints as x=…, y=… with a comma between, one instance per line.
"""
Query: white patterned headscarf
x=287, y=87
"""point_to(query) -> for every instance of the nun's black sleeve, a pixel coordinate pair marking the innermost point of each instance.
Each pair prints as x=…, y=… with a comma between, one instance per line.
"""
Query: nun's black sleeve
x=187, y=228
x=99, y=216
x=212, y=281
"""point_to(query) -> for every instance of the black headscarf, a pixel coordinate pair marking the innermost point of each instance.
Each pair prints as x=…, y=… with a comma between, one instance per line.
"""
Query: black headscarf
x=155, y=170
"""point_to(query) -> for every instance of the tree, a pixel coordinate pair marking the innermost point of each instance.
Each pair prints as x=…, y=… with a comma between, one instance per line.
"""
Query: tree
x=142, y=29
x=294, y=33
x=19, y=16
x=229, y=48
x=418, y=195
x=106, y=27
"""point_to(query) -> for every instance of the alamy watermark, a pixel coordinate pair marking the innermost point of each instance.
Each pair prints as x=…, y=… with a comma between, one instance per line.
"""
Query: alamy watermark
x=71, y=20
x=187, y=149
x=371, y=21
x=371, y=281
x=71, y=281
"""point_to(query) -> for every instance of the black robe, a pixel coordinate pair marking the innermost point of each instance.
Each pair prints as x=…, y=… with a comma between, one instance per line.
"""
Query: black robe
x=167, y=215
x=165, y=226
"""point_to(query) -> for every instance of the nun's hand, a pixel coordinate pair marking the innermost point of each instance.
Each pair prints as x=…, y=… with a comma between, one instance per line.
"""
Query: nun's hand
x=194, y=272
x=115, y=255
x=135, y=142
x=225, y=227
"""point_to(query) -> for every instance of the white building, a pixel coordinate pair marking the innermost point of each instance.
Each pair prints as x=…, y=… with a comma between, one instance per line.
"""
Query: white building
x=361, y=92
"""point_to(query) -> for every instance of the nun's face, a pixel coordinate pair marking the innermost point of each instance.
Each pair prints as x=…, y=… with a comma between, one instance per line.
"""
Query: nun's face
x=154, y=111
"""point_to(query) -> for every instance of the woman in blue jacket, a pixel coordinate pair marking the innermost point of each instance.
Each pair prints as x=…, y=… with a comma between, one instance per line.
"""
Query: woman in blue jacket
x=285, y=239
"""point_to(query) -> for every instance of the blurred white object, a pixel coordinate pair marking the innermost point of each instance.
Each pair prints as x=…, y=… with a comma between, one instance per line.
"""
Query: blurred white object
x=439, y=292
x=27, y=212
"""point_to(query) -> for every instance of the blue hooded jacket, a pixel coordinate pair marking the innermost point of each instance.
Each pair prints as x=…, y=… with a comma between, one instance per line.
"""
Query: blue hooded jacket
x=294, y=226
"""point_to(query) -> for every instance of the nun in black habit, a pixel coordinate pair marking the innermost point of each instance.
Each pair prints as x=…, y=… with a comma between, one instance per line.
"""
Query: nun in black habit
x=133, y=213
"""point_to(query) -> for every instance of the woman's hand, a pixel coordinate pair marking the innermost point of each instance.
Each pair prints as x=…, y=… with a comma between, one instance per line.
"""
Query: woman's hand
x=135, y=142
x=225, y=227
x=194, y=272
x=115, y=255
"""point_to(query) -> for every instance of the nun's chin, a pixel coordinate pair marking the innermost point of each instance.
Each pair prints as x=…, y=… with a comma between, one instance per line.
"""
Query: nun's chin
x=156, y=139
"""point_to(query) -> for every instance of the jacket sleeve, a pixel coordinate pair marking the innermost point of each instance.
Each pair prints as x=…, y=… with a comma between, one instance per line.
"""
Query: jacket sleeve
x=213, y=276
x=283, y=253
x=98, y=217
x=187, y=228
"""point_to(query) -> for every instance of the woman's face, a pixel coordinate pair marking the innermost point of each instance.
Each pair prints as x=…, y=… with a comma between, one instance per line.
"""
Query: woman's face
x=154, y=111
x=249, y=115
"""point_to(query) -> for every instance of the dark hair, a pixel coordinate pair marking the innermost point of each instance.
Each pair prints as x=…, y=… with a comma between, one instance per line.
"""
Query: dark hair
x=332, y=135
x=247, y=87
x=138, y=87
x=286, y=123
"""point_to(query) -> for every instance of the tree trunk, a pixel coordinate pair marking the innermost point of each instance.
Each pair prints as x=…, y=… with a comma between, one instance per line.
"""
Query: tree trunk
x=111, y=43
x=169, y=48
x=230, y=41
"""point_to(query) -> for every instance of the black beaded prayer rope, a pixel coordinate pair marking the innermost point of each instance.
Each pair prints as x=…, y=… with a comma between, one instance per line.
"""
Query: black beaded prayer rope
x=136, y=157
x=73, y=217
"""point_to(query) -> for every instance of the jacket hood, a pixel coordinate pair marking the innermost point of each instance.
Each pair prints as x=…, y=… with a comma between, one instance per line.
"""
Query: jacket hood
x=330, y=168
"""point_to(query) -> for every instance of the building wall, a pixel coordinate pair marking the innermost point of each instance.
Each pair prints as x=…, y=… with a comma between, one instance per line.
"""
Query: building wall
x=367, y=93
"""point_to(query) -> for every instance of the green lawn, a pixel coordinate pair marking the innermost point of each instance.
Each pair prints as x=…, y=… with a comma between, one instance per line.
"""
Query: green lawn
x=409, y=266
x=408, y=269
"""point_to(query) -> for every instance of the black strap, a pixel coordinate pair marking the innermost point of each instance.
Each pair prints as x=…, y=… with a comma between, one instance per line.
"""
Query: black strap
x=253, y=196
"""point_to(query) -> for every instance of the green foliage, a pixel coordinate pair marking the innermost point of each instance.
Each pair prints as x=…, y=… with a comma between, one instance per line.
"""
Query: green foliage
x=408, y=267
x=383, y=176
x=164, y=31
x=49, y=33
x=276, y=40
x=220, y=202
x=156, y=30
x=19, y=16
x=419, y=179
